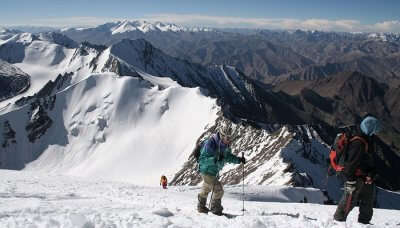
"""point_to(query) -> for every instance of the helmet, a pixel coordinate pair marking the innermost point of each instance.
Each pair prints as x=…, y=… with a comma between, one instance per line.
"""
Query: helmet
x=370, y=125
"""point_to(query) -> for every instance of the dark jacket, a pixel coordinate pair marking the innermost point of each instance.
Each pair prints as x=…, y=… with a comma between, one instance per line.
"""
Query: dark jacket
x=358, y=159
x=214, y=155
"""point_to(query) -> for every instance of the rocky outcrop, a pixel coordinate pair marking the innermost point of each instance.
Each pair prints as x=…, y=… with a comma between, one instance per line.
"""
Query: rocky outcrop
x=51, y=88
x=274, y=156
x=39, y=120
x=8, y=135
x=13, y=81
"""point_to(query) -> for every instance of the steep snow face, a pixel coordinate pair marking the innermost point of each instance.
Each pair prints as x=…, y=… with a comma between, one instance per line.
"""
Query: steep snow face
x=119, y=128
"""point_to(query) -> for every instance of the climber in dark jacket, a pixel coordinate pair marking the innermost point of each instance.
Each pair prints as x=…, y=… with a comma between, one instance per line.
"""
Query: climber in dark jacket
x=215, y=153
x=360, y=173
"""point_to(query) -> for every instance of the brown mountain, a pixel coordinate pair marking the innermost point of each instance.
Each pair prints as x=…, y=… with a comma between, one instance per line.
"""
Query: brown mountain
x=343, y=99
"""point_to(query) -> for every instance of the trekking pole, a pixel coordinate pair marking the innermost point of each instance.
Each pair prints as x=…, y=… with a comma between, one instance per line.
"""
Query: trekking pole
x=243, y=184
x=212, y=192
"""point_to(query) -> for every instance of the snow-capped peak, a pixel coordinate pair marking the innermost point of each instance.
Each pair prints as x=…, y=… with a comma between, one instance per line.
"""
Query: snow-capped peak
x=58, y=38
x=144, y=26
x=168, y=27
x=385, y=37
x=378, y=36
x=24, y=38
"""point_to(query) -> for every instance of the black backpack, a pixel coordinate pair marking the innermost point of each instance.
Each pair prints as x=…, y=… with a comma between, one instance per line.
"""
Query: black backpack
x=199, y=144
x=197, y=151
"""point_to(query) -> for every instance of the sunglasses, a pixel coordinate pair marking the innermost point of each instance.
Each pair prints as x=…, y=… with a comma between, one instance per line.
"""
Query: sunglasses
x=226, y=139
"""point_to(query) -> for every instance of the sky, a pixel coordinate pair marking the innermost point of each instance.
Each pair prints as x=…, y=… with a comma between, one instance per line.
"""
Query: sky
x=335, y=15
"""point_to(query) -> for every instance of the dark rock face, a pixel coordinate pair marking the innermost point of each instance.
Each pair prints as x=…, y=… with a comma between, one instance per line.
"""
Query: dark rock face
x=12, y=52
x=39, y=120
x=8, y=135
x=12, y=86
x=12, y=81
x=114, y=65
x=261, y=144
x=48, y=90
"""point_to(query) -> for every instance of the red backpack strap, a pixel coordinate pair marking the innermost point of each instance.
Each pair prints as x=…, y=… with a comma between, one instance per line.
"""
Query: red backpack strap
x=362, y=140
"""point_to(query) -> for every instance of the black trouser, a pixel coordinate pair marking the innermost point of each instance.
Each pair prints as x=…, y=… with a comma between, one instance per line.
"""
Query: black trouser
x=363, y=196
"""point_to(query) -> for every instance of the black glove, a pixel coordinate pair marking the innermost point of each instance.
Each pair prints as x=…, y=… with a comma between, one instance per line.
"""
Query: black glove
x=350, y=186
x=242, y=160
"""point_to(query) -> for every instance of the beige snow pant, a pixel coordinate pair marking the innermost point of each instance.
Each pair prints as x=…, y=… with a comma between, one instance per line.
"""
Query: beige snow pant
x=208, y=183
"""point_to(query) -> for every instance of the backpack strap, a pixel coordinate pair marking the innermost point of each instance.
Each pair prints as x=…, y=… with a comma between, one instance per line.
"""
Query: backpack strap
x=362, y=140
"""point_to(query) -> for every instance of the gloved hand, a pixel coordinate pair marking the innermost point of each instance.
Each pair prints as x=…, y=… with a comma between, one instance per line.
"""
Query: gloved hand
x=368, y=180
x=220, y=156
x=350, y=186
x=242, y=160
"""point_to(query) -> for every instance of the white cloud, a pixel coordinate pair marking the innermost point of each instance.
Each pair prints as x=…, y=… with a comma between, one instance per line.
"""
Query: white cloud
x=387, y=26
x=230, y=22
x=66, y=21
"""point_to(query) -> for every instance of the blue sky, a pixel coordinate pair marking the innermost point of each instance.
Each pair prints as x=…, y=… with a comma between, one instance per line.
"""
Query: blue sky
x=309, y=14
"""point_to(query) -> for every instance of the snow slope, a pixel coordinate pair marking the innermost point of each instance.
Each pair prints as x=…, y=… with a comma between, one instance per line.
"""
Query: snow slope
x=30, y=199
x=47, y=55
x=119, y=128
x=43, y=59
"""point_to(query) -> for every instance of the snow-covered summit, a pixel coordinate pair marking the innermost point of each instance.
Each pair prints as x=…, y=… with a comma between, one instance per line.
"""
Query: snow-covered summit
x=45, y=56
x=23, y=38
x=384, y=37
x=58, y=38
x=144, y=26
x=141, y=26
x=8, y=31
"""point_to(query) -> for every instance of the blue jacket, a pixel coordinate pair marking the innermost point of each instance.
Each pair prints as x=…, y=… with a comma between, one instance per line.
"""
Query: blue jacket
x=213, y=156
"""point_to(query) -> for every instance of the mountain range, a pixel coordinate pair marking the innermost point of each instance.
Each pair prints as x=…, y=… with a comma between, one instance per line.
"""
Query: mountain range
x=268, y=56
